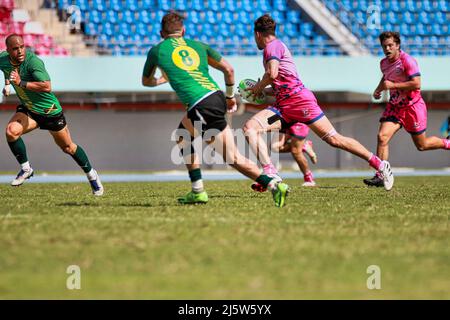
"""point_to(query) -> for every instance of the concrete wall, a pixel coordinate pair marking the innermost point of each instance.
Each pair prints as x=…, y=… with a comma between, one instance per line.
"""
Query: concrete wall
x=141, y=141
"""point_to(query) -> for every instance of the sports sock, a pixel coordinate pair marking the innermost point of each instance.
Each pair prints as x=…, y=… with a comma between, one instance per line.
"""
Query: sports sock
x=264, y=180
x=269, y=169
x=25, y=166
x=376, y=162
x=82, y=160
x=19, y=150
x=91, y=175
x=196, y=180
x=446, y=144
x=308, y=177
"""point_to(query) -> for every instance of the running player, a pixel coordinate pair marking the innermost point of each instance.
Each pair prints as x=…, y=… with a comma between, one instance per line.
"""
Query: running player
x=296, y=104
x=184, y=64
x=39, y=109
x=406, y=108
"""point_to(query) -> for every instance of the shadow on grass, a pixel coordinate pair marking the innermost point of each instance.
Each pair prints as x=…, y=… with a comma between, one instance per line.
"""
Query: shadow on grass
x=78, y=204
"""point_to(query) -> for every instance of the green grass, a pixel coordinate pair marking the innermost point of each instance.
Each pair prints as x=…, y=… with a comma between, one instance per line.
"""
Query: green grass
x=137, y=242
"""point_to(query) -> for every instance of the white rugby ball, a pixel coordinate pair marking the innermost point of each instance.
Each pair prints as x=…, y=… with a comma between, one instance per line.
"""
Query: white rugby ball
x=246, y=95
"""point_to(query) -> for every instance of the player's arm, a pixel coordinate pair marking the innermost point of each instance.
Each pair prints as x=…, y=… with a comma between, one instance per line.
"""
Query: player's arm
x=150, y=67
x=216, y=61
x=151, y=80
x=37, y=86
x=269, y=76
x=7, y=89
x=412, y=84
x=379, y=89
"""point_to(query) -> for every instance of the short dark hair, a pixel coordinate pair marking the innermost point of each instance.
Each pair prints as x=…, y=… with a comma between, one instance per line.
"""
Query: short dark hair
x=266, y=25
x=390, y=34
x=13, y=35
x=172, y=22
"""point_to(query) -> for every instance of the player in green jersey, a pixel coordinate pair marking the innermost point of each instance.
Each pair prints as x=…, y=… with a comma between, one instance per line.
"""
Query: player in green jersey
x=39, y=109
x=184, y=64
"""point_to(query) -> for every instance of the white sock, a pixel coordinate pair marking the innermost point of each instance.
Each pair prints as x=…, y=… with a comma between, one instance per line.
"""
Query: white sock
x=25, y=166
x=197, y=186
x=91, y=175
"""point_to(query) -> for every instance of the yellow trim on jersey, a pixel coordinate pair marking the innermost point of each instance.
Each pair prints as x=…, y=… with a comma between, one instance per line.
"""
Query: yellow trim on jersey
x=180, y=44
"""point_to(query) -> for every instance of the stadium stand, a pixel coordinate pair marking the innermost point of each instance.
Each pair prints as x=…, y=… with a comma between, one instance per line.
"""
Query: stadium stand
x=16, y=20
x=130, y=27
x=423, y=24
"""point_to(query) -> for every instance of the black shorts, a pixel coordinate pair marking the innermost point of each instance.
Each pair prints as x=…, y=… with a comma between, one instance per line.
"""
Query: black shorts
x=55, y=122
x=210, y=112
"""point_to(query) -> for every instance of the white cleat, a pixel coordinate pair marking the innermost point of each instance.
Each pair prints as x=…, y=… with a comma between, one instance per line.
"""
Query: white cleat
x=22, y=176
x=388, y=176
x=309, y=184
x=96, y=186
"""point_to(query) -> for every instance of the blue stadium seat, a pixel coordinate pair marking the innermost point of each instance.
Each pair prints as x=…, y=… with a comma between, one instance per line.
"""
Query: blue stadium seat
x=128, y=17
x=133, y=5
x=112, y=16
x=98, y=5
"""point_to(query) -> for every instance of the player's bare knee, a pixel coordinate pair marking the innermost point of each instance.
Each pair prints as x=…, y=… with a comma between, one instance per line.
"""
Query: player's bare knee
x=13, y=131
x=69, y=148
x=383, y=139
x=250, y=129
x=421, y=146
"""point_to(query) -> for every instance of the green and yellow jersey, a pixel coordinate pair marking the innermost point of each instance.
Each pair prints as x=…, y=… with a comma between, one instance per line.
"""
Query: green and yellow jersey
x=185, y=63
x=31, y=70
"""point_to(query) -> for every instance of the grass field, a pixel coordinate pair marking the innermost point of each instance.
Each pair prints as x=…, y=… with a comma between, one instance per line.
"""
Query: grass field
x=137, y=242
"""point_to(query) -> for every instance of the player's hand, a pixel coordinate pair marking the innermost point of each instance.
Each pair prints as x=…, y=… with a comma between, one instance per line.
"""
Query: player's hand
x=231, y=105
x=6, y=90
x=387, y=85
x=377, y=94
x=256, y=91
x=14, y=77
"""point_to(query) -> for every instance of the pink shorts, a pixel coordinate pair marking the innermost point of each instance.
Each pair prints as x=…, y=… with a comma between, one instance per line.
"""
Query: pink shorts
x=413, y=118
x=297, y=130
x=301, y=107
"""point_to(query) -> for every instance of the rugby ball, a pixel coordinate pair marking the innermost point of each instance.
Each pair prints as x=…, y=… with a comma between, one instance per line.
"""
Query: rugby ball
x=246, y=95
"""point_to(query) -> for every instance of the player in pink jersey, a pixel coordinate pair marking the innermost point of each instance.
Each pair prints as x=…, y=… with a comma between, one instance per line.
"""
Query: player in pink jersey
x=296, y=104
x=406, y=108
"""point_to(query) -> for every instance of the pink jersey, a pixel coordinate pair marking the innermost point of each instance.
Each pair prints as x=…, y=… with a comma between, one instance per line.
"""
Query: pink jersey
x=288, y=82
x=401, y=70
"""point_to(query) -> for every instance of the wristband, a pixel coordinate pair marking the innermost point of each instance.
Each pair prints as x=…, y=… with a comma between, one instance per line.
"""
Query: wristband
x=23, y=84
x=229, y=93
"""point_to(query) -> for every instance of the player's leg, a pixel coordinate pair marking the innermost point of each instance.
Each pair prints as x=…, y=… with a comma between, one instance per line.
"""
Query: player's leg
x=424, y=143
x=225, y=145
x=19, y=125
x=325, y=130
x=297, y=152
x=64, y=141
x=253, y=130
x=416, y=124
x=185, y=140
x=385, y=133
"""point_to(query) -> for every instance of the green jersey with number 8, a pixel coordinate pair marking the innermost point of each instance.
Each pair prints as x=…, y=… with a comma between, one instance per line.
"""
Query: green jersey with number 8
x=185, y=64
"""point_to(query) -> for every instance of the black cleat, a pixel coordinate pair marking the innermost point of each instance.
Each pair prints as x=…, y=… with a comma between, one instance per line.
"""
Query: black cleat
x=374, y=182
